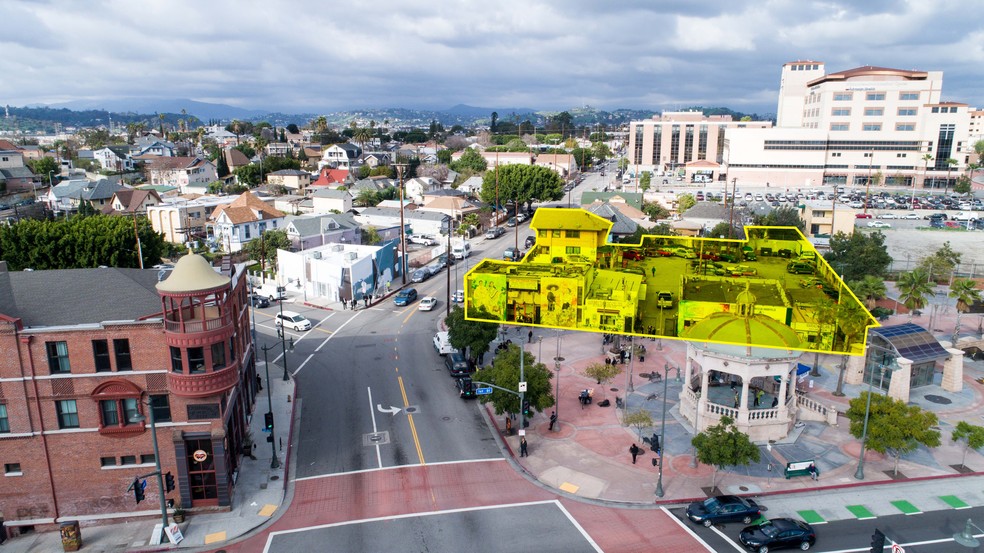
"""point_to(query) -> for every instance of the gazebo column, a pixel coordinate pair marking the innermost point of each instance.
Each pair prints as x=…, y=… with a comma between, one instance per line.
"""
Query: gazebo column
x=688, y=370
x=743, y=403
x=782, y=389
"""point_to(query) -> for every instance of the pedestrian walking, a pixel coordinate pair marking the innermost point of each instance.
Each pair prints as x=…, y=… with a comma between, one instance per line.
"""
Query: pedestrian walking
x=259, y=383
x=634, y=451
x=654, y=441
x=343, y=304
x=653, y=270
x=523, y=452
x=758, y=397
x=366, y=300
x=775, y=401
x=529, y=337
x=508, y=426
x=553, y=419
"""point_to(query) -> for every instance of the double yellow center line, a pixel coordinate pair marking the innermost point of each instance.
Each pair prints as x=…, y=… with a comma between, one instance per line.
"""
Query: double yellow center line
x=406, y=402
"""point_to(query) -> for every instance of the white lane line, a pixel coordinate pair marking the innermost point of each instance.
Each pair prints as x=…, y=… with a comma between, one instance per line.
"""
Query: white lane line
x=687, y=529
x=579, y=528
x=727, y=539
x=408, y=515
x=372, y=412
x=301, y=366
x=394, y=467
x=337, y=331
x=910, y=544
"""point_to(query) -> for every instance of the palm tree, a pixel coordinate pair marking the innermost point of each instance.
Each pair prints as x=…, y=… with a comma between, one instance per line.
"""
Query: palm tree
x=853, y=321
x=362, y=135
x=367, y=198
x=825, y=314
x=870, y=289
x=914, y=287
x=319, y=124
x=950, y=164
x=965, y=291
x=926, y=158
x=237, y=129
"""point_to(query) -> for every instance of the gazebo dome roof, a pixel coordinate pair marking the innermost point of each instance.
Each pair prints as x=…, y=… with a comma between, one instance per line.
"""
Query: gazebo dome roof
x=751, y=336
x=192, y=273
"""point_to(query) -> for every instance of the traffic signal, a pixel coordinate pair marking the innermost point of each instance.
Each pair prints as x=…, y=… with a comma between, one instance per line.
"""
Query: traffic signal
x=138, y=491
x=526, y=408
x=877, y=542
x=268, y=421
x=168, y=482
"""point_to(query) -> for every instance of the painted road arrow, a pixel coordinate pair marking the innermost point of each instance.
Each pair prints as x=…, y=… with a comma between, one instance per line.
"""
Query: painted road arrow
x=391, y=410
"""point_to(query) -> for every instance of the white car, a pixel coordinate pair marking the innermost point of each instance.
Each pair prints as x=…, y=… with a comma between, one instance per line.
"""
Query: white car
x=963, y=216
x=879, y=224
x=292, y=320
x=427, y=303
x=458, y=296
x=910, y=216
x=887, y=216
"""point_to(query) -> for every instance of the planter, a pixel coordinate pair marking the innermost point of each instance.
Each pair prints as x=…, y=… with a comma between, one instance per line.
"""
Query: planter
x=178, y=516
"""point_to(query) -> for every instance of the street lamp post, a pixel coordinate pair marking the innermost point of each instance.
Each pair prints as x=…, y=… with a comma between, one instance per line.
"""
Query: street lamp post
x=403, y=237
x=662, y=432
x=859, y=474
x=275, y=462
x=557, y=360
x=157, y=459
x=283, y=342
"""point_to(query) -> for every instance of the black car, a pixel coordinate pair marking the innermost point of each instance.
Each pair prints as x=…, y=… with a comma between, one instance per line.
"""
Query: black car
x=257, y=300
x=530, y=241
x=723, y=508
x=457, y=365
x=800, y=268
x=466, y=388
x=778, y=533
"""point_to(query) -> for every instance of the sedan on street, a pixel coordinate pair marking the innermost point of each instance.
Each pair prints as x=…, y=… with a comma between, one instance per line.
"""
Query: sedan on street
x=427, y=303
x=879, y=224
x=778, y=533
x=405, y=297
x=723, y=508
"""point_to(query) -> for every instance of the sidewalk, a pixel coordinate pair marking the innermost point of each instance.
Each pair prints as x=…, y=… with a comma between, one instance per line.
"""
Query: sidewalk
x=587, y=456
x=258, y=496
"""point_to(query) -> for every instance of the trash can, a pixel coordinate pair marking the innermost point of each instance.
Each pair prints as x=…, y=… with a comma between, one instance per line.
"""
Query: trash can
x=70, y=536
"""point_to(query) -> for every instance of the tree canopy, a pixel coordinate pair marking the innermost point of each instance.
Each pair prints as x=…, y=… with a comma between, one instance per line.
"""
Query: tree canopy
x=782, y=217
x=504, y=372
x=941, y=264
x=266, y=246
x=859, y=254
x=522, y=183
x=471, y=336
x=894, y=427
x=723, y=445
x=469, y=160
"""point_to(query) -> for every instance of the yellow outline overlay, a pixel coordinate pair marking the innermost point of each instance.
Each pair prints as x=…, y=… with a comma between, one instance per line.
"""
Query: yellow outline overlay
x=772, y=290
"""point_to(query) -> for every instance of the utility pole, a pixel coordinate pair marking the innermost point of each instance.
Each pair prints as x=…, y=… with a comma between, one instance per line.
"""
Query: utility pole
x=403, y=237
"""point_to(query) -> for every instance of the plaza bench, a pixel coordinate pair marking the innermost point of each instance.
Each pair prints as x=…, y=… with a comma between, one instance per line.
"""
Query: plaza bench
x=799, y=468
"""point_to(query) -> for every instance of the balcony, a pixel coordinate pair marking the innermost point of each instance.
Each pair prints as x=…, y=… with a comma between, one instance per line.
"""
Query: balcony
x=204, y=384
x=197, y=321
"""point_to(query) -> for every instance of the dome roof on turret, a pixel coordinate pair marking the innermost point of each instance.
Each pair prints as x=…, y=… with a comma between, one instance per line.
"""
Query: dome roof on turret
x=192, y=273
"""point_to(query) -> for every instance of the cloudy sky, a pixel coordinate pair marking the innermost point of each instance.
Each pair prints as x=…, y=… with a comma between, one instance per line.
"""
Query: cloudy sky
x=322, y=56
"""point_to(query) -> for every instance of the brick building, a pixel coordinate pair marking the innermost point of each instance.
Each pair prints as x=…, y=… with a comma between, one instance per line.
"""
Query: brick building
x=85, y=350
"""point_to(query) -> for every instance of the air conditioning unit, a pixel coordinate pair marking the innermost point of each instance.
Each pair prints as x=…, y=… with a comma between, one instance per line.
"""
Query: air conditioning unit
x=316, y=255
x=351, y=256
x=338, y=248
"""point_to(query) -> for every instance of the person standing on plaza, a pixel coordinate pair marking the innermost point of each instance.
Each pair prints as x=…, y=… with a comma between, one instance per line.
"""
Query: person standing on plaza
x=529, y=337
x=508, y=426
x=553, y=419
x=737, y=399
x=523, y=452
x=634, y=451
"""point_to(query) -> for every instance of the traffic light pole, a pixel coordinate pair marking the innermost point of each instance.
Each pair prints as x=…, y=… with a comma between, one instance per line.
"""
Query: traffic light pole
x=274, y=462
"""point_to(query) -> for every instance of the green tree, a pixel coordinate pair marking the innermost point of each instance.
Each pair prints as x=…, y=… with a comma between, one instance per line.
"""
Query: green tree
x=965, y=291
x=950, y=164
x=685, y=202
x=601, y=151
x=444, y=155
x=504, y=372
x=473, y=337
x=623, y=164
x=782, y=217
x=640, y=419
x=858, y=254
x=963, y=185
x=222, y=166
x=367, y=198
x=246, y=149
x=248, y=175
x=914, y=287
x=852, y=321
x=41, y=167
x=645, y=181
x=582, y=156
x=522, y=183
x=869, y=289
x=894, y=427
x=265, y=247
x=723, y=445
x=470, y=160
x=926, y=158
x=601, y=372
x=371, y=236
x=972, y=436
x=942, y=263
x=655, y=210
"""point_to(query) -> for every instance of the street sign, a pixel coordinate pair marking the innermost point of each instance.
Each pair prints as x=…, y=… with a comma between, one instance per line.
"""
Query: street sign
x=522, y=387
x=483, y=391
x=896, y=548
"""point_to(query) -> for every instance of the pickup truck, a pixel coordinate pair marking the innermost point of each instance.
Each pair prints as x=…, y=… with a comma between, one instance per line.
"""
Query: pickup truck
x=421, y=239
x=442, y=344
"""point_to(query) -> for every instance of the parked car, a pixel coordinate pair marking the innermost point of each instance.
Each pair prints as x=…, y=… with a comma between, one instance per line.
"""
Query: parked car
x=879, y=224
x=723, y=508
x=530, y=242
x=863, y=216
x=421, y=239
x=778, y=533
x=405, y=297
x=512, y=254
x=420, y=275
x=685, y=253
x=964, y=216
x=458, y=296
x=910, y=216
x=466, y=388
x=292, y=320
x=257, y=300
x=511, y=222
x=427, y=303
x=633, y=255
x=800, y=268
x=664, y=299
x=458, y=365
x=494, y=233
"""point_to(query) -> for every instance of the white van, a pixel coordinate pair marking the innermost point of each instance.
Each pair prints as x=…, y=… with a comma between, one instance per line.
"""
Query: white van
x=271, y=291
x=461, y=250
x=292, y=320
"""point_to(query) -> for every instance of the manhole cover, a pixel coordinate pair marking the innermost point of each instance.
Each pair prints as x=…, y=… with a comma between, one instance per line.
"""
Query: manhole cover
x=743, y=488
x=445, y=419
x=409, y=409
x=938, y=399
x=274, y=477
x=375, y=438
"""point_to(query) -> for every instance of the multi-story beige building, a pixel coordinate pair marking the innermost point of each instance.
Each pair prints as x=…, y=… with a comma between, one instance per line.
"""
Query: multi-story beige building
x=683, y=140
x=180, y=219
x=855, y=125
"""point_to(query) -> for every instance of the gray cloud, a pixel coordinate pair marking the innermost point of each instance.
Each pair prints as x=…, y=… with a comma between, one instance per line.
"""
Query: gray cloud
x=547, y=54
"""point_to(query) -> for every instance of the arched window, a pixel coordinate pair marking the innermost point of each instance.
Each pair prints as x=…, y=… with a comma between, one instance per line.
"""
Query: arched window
x=119, y=403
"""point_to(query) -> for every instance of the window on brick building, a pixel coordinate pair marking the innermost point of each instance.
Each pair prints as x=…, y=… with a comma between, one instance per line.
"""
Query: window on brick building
x=196, y=360
x=4, y=421
x=176, y=365
x=147, y=459
x=57, y=357
x=121, y=347
x=162, y=408
x=218, y=356
x=128, y=460
x=107, y=461
x=68, y=413
x=12, y=469
x=100, y=353
x=118, y=412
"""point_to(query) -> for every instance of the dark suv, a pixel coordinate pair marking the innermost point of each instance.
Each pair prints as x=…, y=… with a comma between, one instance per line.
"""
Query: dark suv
x=800, y=268
x=457, y=365
x=530, y=240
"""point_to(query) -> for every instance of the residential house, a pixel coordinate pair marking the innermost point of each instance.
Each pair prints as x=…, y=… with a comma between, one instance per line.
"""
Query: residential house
x=182, y=219
x=98, y=194
x=633, y=199
x=329, y=200
x=133, y=342
x=336, y=272
x=190, y=174
x=234, y=224
x=419, y=222
x=14, y=174
x=235, y=159
x=310, y=231
x=707, y=215
x=820, y=217
x=563, y=164
x=341, y=156
x=473, y=186
x=278, y=149
x=333, y=178
x=622, y=226
x=291, y=179
x=377, y=159
x=501, y=158
x=114, y=158
x=130, y=201
x=418, y=187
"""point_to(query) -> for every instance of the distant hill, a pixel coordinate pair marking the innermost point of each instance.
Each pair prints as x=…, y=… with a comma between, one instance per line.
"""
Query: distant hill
x=201, y=110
